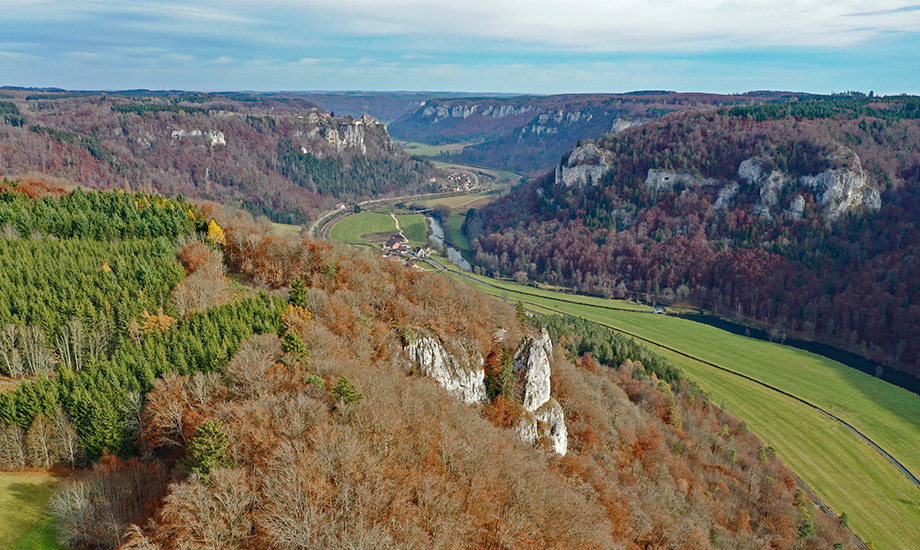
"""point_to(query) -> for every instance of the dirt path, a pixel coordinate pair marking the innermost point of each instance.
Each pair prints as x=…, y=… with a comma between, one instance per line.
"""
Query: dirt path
x=398, y=230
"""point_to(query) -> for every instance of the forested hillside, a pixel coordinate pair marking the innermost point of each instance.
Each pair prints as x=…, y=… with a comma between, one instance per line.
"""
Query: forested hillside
x=283, y=409
x=798, y=215
x=274, y=154
x=528, y=134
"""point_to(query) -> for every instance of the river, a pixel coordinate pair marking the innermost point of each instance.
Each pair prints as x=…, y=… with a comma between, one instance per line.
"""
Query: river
x=437, y=238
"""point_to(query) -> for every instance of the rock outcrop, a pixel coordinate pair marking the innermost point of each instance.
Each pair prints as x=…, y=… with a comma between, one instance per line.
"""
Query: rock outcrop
x=543, y=421
x=213, y=137
x=545, y=425
x=837, y=190
x=466, y=383
x=620, y=124
x=841, y=190
x=531, y=365
x=585, y=166
x=661, y=180
x=350, y=134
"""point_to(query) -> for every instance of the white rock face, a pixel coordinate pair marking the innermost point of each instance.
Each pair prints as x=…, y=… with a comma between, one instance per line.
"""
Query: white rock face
x=838, y=190
x=350, y=135
x=796, y=208
x=725, y=195
x=545, y=424
x=620, y=124
x=213, y=137
x=585, y=166
x=531, y=364
x=841, y=190
x=659, y=180
x=464, y=383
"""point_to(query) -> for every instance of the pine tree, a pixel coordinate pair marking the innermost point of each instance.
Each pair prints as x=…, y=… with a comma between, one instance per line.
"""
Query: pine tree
x=207, y=449
x=298, y=295
x=346, y=392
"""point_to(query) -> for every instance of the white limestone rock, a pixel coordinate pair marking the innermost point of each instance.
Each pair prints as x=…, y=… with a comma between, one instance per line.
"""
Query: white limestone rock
x=841, y=190
x=796, y=208
x=620, y=124
x=531, y=364
x=726, y=194
x=660, y=180
x=585, y=166
x=466, y=383
x=545, y=425
x=213, y=137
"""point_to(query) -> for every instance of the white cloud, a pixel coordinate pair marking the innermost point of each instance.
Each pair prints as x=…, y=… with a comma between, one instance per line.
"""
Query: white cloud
x=625, y=25
x=591, y=25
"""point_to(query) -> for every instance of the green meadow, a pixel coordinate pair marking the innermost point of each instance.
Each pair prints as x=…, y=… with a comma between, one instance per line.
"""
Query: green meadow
x=24, y=501
x=368, y=228
x=883, y=506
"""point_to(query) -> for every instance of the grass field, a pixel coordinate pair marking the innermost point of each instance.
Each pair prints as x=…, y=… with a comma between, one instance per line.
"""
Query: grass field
x=425, y=150
x=372, y=227
x=883, y=506
x=453, y=231
x=24, y=499
x=286, y=229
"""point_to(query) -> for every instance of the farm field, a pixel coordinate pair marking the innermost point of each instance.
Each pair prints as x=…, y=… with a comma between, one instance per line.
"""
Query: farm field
x=24, y=499
x=425, y=150
x=286, y=229
x=369, y=228
x=883, y=505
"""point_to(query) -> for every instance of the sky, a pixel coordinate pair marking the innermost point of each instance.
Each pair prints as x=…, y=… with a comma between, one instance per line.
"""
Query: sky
x=506, y=46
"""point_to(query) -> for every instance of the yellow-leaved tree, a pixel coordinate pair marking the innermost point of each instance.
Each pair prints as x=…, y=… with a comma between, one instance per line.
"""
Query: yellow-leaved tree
x=216, y=234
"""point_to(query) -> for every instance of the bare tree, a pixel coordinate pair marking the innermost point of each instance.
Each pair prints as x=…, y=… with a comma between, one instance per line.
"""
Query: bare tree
x=9, y=351
x=41, y=445
x=34, y=346
x=218, y=515
x=12, y=447
x=67, y=440
x=70, y=343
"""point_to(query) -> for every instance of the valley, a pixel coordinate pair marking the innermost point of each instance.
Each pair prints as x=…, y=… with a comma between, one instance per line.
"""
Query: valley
x=749, y=377
x=844, y=471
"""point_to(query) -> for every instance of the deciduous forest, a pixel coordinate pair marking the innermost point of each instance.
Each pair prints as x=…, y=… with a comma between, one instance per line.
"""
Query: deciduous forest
x=228, y=388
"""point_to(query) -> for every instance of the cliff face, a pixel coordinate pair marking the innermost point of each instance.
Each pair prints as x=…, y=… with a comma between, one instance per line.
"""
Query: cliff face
x=838, y=190
x=529, y=134
x=585, y=166
x=542, y=422
x=286, y=159
x=465, y=382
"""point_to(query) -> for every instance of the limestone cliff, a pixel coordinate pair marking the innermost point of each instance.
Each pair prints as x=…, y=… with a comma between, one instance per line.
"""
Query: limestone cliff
x=544, y=420
x=838, y=190
x=585, y=166
x=465, y=382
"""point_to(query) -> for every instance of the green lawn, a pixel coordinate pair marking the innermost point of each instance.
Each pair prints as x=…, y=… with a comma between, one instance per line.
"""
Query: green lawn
x=883, y=506
x=352, y=228
x=357, y=228
x=425, y=150
x=454, y=233
x=24, y=500
x=414, y=228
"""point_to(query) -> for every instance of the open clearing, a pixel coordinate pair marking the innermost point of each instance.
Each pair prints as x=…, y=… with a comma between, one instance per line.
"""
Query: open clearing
x=849, y=475
x=370, y=228
x=286, y=229
x=425, y=150
x=24, y=500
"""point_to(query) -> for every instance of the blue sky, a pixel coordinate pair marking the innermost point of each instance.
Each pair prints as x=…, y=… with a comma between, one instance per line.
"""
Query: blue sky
x=517, y=46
